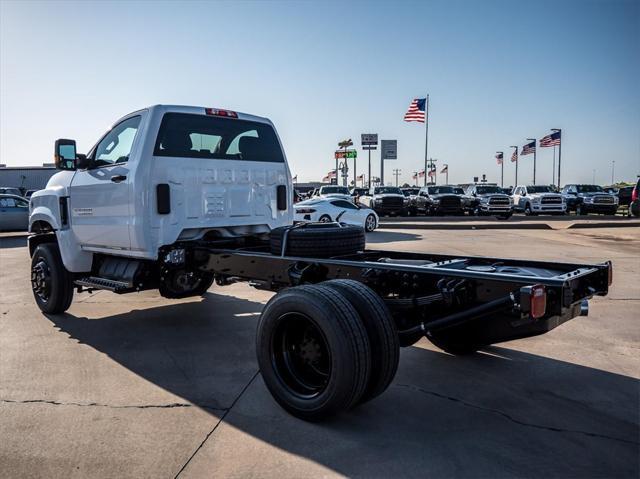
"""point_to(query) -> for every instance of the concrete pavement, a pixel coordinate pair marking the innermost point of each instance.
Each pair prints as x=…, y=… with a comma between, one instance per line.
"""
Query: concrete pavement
x=137, y=385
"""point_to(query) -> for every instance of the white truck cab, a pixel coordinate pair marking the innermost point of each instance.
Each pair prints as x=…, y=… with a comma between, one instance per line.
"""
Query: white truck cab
x=165, y=174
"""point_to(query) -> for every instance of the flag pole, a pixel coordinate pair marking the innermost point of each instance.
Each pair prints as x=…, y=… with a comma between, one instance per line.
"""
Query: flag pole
x=553, y=171
x=427, y=119
x=559, y=152
x=535, y=152
x=517, y=158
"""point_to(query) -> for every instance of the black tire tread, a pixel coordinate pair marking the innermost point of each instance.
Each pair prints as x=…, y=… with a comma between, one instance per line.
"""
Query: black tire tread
x=319, y=242
x=62, y=280
x=382, y=332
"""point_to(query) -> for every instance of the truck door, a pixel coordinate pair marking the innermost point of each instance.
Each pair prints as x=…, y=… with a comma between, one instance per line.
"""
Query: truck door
x=100, y=196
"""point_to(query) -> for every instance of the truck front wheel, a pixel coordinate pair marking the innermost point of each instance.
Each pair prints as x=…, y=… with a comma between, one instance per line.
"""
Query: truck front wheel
x=51, y=283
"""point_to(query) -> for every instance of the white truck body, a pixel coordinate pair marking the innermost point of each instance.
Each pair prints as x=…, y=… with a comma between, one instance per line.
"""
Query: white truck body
x=220, y=186
x=538, y=199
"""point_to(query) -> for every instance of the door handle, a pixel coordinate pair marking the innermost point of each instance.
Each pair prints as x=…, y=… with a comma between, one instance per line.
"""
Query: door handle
x=118, y=178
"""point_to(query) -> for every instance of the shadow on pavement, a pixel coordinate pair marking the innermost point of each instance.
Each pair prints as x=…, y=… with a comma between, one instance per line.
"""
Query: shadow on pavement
x=380, y=236
x=18, y=241
x=497, y=413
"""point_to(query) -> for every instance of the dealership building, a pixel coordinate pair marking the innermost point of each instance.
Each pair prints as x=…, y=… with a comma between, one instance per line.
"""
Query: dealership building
x=26, y=177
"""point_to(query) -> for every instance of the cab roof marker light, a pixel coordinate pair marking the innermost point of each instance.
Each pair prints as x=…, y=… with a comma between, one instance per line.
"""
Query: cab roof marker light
x=219, y=112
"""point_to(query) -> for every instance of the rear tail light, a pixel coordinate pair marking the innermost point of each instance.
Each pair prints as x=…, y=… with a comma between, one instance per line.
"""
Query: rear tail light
x=219, y=112
x=538, y=301
x=610, y=274
x=304, y=211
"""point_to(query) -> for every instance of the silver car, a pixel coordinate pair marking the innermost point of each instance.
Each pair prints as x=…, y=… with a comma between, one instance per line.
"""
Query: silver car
x=14, y=213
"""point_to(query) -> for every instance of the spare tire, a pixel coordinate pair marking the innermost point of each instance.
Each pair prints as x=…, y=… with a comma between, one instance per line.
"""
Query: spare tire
x=319, y=240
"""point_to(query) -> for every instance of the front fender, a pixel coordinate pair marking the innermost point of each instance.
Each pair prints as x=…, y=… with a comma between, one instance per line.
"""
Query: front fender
x=44, y=214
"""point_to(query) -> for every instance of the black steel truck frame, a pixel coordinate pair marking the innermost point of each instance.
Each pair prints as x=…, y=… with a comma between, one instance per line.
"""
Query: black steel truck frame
x=487, y=298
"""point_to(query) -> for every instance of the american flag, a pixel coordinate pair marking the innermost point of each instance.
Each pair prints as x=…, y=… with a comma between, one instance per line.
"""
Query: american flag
x=514, y=157
x=330, y=175
x=550, y=140
x=445, y=169
x=295, y=178
x=432, y=172
x=416, y=111
x=360, y=177
x=415, y=175
x=528, y=149
x=499, y=158
x=421, y=173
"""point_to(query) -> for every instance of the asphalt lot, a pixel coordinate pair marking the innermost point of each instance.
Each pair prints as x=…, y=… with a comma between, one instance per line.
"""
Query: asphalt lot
x=141, y=386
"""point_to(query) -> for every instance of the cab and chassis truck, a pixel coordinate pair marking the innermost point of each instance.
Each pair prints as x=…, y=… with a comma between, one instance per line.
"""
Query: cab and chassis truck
x=176, y=198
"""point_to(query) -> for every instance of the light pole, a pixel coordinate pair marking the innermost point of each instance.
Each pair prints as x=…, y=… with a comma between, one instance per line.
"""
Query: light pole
x=593, y=180
x=397, y=172
x=613, y=170
x=344, y=144
x=535, y=150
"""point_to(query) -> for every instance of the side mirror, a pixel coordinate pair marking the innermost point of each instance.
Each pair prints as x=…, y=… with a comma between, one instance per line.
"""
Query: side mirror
x=65, y=154
x=524, y=193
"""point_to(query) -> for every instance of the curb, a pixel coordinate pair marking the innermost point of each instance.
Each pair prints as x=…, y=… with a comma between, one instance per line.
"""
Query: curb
x=462, y=226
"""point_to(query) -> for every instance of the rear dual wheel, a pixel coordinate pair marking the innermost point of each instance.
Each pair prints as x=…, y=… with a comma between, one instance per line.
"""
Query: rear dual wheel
x=325, y=348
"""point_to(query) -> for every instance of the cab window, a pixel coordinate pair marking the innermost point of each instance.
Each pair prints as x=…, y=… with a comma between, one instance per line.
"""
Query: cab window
x=344, y=204
x=116, y=145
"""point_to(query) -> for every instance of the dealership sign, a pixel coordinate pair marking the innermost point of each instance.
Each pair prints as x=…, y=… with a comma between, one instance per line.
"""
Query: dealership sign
x=369, y=141
x=348, y=154
x=389, y=149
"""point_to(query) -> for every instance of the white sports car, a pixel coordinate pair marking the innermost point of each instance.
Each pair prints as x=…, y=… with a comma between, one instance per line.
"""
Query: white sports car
x=335, y=209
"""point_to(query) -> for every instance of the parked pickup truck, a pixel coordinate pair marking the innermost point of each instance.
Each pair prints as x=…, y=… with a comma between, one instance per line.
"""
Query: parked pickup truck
x=385, y=200
x=442, y=200
x=489, y=200
x=174, y=198
x=584, y=199
x=537, y=199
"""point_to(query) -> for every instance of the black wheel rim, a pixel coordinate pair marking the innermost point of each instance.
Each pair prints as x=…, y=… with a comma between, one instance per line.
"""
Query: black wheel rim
x=325, y=219
x=300, y=355
x=41, y=280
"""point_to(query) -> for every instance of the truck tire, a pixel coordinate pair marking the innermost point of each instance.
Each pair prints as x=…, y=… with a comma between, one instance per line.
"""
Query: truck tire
x=313, y=351
x=51, y=283
x=320, y=240
x=381, y=330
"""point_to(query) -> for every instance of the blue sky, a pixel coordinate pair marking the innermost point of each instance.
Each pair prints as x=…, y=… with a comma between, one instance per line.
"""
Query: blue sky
x=497, y=72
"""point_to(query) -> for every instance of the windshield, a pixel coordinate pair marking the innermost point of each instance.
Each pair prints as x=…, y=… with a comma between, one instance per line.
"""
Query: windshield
x=458, y=191
x=483, y=190
x=383, y=190
x=539, y=189
x=589, y=188
x=438, y=190
x=328, y=190
x=410, y=192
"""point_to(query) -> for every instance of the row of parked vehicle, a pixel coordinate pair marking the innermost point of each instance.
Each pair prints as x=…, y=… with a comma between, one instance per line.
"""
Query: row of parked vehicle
x=365, y=205
x=14, y=208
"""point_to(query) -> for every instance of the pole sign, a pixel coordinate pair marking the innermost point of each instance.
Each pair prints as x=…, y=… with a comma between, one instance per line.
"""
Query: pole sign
x=369, y=141
x=349, y=154
x=389, y=149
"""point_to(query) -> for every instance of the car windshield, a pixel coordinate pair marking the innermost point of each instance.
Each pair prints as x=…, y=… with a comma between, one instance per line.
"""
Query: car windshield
x=384, y=190
x=439, y=190
x=483, y=190
x=328, y=190
x=589, y=188
x=539, y=189
x=410, y=192
x=458, y=191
